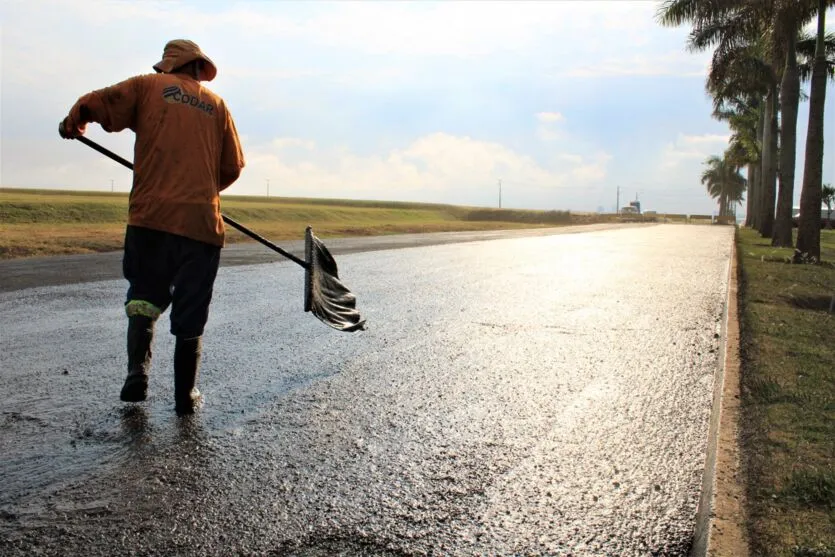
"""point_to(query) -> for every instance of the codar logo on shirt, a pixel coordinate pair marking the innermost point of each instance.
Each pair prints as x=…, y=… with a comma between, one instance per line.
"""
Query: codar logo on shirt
x=174, y=95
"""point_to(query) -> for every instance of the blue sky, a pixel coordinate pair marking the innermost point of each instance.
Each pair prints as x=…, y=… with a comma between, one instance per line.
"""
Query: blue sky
x=563, y=101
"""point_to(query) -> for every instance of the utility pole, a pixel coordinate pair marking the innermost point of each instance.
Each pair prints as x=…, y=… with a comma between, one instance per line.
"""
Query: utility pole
x=500, y=193
x=268, y=187
x=617, y=203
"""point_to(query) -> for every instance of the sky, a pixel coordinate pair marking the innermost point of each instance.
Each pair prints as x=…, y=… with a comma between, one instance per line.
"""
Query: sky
x=562, y=104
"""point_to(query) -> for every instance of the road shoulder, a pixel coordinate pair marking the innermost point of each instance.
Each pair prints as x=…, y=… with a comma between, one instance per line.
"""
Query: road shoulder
x=721, y=522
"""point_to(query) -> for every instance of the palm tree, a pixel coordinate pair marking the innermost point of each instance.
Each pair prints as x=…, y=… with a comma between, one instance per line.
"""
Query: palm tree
x=738, y=84
x=808, y=228
x=766, y=30
x=732, y=24
x=743, y=147
x=738, y=156
x=724, y=182
x=737, y=28
x=746, y=152
x=791, y=17
x=788, y=22
x=768, y=195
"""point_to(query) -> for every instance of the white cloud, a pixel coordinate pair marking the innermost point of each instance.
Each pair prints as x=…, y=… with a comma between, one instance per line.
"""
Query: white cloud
x=430, y=168
x=692, y=148
x=571, y=38
x=570, y=158
x=549, y=117
x=704, y=139
x=437, y=167
x=548, y=130
x=591, y=171
x=288, y=142
x=671, y=182
x=674, y=63
x=466, y=29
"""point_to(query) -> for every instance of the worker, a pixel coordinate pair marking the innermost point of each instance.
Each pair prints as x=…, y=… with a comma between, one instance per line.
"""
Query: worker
x=186, y=152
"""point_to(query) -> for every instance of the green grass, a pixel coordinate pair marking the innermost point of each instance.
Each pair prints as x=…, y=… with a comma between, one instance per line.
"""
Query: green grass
x=788, y=397
x=812, y=487
x=48, y=222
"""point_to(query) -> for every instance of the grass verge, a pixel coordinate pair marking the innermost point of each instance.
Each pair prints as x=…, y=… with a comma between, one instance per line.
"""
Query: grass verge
x=788, y=397
x=50, y=222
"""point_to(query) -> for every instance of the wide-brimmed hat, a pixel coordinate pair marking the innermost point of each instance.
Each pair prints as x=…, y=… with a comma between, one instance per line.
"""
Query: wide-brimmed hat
x=181, y=51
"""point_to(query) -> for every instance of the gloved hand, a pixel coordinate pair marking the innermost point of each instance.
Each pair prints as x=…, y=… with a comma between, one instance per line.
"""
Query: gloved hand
x=68, y=129
x=75, y=124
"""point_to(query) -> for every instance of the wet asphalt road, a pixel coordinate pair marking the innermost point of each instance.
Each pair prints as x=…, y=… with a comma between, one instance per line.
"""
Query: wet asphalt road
x=541, y=394
x=18, y=274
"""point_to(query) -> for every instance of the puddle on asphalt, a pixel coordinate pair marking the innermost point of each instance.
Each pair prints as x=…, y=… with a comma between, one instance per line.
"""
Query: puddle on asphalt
x=47, y=448
x=43, y=454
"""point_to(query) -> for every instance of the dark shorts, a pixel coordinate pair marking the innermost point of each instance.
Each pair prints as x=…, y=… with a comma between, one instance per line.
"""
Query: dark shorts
x=166, y=269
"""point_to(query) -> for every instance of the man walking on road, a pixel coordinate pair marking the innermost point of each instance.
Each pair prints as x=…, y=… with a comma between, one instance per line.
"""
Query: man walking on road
x=187, y=151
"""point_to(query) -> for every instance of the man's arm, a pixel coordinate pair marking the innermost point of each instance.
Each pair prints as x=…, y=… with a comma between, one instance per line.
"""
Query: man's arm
x=231, y=157
x=113, y=107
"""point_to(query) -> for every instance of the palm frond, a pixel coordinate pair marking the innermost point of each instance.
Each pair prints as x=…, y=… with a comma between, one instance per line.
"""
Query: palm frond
x=722, y=178
x=806, y=44
x=726, y=31
x=738, y=74
x=674, y=13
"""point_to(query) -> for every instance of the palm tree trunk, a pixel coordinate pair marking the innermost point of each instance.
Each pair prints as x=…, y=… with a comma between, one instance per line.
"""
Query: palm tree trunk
x=758, y=186
x=789, y=101
x=752, y=191
x=769, y=179
x=808, y=230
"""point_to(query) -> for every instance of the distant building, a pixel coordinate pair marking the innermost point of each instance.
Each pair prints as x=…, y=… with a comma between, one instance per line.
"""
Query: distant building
x=824, y=214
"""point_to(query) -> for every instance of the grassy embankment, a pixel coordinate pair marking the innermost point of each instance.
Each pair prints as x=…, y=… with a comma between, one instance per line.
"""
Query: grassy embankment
x=788, y=397
x=49, y=222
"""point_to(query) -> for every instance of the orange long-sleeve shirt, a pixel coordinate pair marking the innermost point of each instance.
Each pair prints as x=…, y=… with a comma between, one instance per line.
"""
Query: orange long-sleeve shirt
x=186, y=152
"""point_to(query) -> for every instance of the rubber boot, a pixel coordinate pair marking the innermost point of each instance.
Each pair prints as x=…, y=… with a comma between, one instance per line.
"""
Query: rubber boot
x=187, y=353
x=140, y=337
